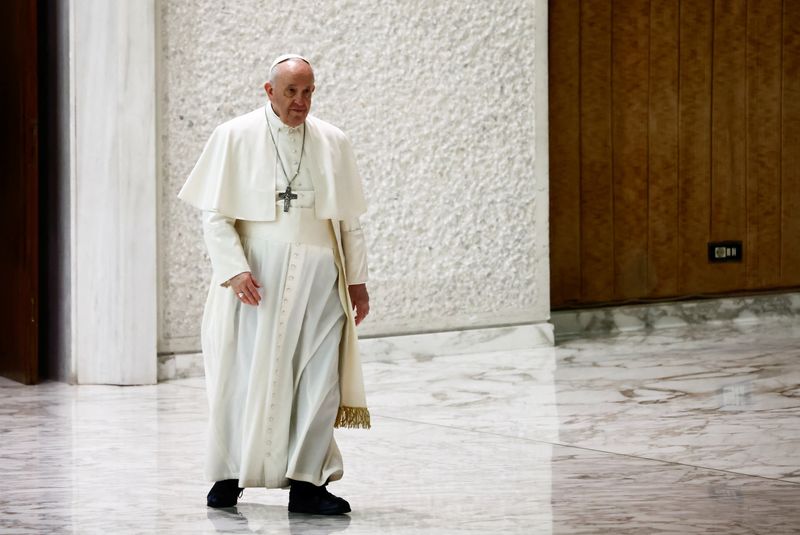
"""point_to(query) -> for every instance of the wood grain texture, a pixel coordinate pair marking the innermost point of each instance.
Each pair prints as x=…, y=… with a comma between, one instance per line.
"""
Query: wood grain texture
x=790, y=146
x=630, y=81
x=19, y=195
x=763, y=157
x=689, y=132
x=694, y=150
x=662, y=272
x=565, y=179
x=728, y=147
x=597, y=208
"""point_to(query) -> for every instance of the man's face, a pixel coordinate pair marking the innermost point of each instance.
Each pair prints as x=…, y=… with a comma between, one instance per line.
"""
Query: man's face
x=290, y=95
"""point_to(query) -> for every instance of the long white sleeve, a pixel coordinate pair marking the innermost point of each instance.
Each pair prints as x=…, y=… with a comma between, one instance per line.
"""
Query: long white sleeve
x=224, y=247
x=355, y=251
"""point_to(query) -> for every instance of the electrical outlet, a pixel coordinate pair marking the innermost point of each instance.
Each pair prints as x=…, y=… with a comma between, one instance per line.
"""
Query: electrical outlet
x=724, y=251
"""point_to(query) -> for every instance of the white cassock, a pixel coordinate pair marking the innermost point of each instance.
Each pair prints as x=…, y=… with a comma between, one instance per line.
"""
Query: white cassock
x=280, y=375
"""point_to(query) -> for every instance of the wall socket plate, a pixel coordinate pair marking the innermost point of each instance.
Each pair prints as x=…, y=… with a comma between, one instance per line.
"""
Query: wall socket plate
x=724, y=251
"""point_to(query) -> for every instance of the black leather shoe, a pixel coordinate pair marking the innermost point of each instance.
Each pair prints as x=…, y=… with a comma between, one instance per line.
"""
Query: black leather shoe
x=307, y=498
x=224, y=493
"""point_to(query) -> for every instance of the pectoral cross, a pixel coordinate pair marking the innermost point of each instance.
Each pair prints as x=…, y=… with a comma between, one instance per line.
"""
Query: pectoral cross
x=287, y=197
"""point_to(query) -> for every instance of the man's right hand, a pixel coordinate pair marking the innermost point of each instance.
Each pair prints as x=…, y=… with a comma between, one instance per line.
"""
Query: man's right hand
x=245, y=287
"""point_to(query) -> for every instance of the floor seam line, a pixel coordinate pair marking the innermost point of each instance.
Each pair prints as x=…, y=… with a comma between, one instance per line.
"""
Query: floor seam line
x=525, y=439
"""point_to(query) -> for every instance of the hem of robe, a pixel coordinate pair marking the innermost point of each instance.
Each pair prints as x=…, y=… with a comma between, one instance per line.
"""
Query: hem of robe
x=309, y=478
x=334, y=475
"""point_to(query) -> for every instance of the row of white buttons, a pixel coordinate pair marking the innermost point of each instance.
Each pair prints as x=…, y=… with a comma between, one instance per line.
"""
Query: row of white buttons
x=281, y=333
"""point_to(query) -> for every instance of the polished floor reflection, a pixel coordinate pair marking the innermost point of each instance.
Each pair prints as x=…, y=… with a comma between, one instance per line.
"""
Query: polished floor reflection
x=694, y=430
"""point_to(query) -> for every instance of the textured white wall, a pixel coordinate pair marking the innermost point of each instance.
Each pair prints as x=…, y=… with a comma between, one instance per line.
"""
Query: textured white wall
x=438, y=100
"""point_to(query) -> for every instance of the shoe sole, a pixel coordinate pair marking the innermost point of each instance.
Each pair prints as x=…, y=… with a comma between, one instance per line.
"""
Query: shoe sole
x=316, y=512
x=221, y=506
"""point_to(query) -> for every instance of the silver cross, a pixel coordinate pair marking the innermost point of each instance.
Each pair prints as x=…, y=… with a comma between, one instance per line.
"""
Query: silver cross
x=287, y=197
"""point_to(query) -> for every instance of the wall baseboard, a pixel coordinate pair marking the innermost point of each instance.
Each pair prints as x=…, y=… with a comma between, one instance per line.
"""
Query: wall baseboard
x=418, y=346
x=717, y=311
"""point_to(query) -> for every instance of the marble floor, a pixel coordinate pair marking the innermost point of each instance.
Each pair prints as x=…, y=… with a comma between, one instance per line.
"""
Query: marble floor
x=691, y=430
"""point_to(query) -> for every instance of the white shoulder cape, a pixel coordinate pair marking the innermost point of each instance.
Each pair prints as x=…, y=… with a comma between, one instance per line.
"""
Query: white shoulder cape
x=235, y=173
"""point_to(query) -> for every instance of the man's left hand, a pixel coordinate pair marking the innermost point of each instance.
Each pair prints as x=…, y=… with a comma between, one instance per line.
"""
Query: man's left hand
x=360, y=299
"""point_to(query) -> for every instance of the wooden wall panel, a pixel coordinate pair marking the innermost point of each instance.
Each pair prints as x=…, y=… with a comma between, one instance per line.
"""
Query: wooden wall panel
x=728, y=148
x=19, y=192
x=662, y=272
x=565, y=179
x=763, y=156
x=597, y=209
x=694, y=147
x=673, y=123
x=790, y=146
x=630, y=80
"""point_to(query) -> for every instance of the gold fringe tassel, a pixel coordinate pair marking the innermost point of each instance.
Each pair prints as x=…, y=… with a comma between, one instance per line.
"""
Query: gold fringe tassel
x=353, y=417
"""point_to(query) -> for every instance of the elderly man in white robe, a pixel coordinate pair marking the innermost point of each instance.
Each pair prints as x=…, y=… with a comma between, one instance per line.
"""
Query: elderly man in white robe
x=281, y=200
